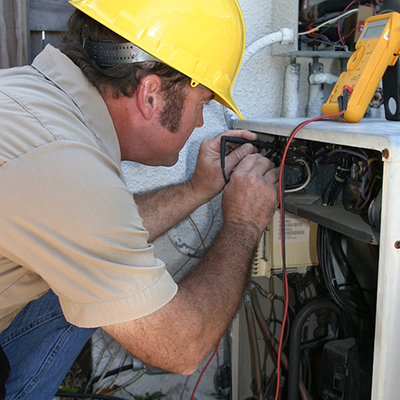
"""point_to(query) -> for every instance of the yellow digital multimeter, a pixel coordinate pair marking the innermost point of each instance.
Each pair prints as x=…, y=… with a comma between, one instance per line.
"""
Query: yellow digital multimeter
x=376, y=49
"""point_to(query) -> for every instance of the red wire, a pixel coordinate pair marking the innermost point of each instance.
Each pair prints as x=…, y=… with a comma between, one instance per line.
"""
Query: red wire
x=281, y=199
x=338, y=27
x=349, y=34
x=204, y=369
x=372, y=6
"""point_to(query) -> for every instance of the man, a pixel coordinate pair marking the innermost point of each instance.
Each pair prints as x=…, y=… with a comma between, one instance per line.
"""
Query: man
x=75, y=250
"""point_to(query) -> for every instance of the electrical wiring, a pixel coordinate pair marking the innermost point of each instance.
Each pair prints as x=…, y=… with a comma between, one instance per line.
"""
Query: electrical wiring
x=369, y=180
x=346, y=151
x=113, y=372
x=344, y=161
x=295, y=281
x=274, y=344
x=184, y=387
x=254, y=345
x=319, y=36
x=264, y=293
x=86, y=396
x=271, y=379
x=295, y=340
x=282, y=214
x=329, y=276
x=322, y=39
x=364, y=184
x=307, y=181
x=116, y=373
x=214, y=214
x=331, y=21
x=204, y=369
x=323, y=248
x=336, y=184
x=370, y=189
x=338, y=27
x=369, y=184
x=352, y=3
x=350, y=33
x=343, y=158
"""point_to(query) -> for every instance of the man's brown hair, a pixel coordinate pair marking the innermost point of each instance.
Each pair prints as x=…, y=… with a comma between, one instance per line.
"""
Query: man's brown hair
x=122, y=79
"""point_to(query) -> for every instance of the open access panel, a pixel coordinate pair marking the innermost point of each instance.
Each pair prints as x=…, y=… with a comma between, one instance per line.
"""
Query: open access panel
x=380, y=230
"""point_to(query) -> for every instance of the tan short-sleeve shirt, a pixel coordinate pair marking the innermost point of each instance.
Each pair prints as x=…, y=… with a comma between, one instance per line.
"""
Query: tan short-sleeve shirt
x=67, y=219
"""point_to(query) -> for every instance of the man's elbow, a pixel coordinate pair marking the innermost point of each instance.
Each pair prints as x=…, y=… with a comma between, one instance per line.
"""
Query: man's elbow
x=194, y=354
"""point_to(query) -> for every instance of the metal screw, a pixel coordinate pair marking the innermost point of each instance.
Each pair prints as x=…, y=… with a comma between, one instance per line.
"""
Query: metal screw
x=385, y=153
x=397, y=245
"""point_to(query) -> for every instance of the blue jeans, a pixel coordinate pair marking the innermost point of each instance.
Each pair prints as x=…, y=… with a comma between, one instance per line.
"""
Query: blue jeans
x=41, y=347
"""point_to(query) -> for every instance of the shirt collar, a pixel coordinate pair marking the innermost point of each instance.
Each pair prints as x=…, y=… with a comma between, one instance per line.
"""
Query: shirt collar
x=68, y=77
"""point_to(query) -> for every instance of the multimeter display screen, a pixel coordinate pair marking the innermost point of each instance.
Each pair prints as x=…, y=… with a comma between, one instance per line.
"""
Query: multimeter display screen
x=374, y=30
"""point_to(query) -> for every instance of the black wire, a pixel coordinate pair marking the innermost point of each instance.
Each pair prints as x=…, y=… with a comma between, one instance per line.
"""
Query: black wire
x=265, y=293
x=87, y=396
x=323, y=248
x=336, y=184
x=294, y=131
x=272, y=378
x=251, y=325
x=112, y=372
x=322, y=32
x=303, y=172
x=184, y=387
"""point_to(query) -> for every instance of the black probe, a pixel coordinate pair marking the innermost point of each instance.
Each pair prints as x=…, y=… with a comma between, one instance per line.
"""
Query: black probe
x=238, y=140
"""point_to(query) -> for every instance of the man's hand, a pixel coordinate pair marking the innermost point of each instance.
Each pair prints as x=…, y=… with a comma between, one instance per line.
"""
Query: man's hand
x=207, y=179
x=252, y=194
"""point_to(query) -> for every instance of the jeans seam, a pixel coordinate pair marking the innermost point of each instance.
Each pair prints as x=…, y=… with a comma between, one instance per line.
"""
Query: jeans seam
x=33, y=325
x=47, y=363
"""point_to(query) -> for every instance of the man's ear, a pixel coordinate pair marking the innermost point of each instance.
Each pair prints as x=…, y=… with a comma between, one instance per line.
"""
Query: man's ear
x=149, y=95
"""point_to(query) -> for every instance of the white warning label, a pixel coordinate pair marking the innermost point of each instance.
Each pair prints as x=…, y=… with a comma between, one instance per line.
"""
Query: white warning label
x=297, y=230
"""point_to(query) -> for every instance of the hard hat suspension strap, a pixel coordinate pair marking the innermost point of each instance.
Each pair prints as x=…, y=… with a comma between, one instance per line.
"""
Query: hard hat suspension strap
x=107, y=54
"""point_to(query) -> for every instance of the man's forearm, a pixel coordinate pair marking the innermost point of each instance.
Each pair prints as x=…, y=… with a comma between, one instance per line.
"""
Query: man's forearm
x=207, y=299
x=219, y=280
x=163, y=209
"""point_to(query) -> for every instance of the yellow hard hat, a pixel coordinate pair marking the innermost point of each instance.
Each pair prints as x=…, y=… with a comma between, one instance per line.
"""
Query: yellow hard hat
x=202, y=39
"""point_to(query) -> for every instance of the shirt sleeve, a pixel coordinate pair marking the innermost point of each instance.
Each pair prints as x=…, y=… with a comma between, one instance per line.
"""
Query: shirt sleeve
x=69, y=217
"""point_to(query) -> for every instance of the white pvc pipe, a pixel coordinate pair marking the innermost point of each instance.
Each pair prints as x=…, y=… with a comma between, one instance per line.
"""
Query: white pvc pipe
x=284, y=36
x=322, y=78
x=290, y=100
x=315, y=92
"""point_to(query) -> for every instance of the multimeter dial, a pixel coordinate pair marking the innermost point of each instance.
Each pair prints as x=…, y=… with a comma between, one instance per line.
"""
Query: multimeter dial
x=356, y=58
